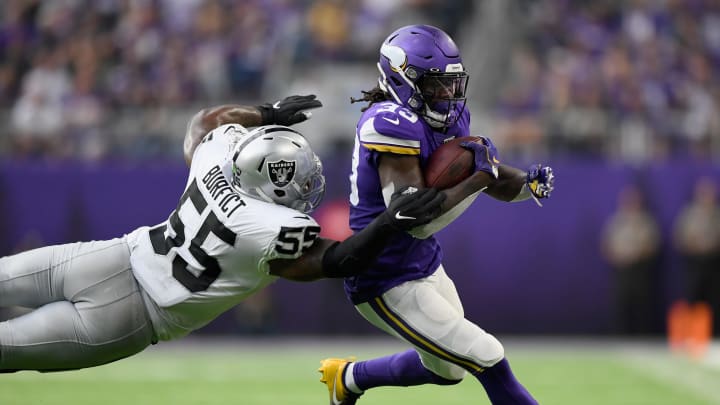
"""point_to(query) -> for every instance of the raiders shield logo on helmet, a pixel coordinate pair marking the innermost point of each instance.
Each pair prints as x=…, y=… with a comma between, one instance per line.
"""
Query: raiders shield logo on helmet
x=281, y=172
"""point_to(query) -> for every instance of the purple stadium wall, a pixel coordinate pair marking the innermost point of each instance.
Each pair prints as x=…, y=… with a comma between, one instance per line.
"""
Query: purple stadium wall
x=519, y=268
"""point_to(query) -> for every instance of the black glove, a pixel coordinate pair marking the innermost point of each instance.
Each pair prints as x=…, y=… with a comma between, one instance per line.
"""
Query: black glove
x=289, y=110
x=410, y=207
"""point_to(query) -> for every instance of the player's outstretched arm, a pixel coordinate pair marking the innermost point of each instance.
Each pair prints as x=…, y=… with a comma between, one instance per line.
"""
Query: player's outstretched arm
x=511, y=184
x=508, y=184
x=409, y=208
x=288, y=111
x=516, y=185
x=208, y=119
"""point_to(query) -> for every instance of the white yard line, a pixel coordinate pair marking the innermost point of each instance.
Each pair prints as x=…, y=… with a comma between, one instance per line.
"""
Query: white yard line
x=697, y=376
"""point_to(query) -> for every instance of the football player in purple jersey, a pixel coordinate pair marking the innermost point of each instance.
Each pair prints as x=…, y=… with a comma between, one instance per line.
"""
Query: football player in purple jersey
x=418, y=104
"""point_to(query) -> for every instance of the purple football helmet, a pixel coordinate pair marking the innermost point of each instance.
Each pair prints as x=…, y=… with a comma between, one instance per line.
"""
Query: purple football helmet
x=421, y=68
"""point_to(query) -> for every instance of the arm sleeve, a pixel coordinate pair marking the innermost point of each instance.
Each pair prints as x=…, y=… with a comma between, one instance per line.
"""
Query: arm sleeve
x=358, y=252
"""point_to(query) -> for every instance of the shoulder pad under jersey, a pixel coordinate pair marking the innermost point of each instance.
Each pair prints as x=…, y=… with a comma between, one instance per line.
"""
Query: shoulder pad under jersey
x=296, y=232
x=389, y=127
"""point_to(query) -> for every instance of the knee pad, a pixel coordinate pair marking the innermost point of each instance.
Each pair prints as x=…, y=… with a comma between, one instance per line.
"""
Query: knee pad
x=476, y=344
x=487, y=350
x=472, y=344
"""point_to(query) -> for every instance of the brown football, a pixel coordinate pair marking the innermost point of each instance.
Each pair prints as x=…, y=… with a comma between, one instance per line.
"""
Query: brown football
x=450, y=164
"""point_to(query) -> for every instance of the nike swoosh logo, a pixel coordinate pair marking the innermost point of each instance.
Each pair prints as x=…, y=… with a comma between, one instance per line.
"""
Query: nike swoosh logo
x=409, y=190
x=276, y=105
x=396, y=121
x=401, y=217
x=302, y=217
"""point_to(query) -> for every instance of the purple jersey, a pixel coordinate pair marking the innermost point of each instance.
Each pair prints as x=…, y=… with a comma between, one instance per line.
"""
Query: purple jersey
x=387, y=127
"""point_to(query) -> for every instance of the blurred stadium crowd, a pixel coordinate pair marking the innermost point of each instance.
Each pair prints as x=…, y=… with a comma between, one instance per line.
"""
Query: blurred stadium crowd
x=92, y=79
x=635, y=79
x=89, y=78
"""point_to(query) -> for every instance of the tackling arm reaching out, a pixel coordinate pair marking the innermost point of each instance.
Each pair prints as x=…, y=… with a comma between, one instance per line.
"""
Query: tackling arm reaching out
x=208, y=119
x=409, y=208
x=288, y=111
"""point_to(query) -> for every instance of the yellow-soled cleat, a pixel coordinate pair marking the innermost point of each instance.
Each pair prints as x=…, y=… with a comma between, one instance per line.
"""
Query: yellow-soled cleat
x=333, y=371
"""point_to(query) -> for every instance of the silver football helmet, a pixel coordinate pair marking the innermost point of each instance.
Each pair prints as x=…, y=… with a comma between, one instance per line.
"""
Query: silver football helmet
x=276, y=164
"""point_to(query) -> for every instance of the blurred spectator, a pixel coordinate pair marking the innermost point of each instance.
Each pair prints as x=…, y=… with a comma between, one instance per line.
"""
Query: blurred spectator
x=37, y=116
x=253, y=44
x=631, y=244
x=84, y=113
x=210, y=51
x=328, y=23
x=697, y=238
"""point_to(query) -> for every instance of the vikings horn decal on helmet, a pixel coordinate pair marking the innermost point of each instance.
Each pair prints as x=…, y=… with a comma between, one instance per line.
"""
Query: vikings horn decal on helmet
x=421, y=68
x=276, y=164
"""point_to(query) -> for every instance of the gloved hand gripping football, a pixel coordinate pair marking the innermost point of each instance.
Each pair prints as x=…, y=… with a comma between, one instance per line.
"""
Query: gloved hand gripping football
x=410, y=207
x=289, y=110
x=486, y=155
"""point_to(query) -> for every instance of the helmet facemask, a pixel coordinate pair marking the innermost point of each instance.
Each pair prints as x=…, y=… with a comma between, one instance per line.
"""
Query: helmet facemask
x=311, y=192
x=443, y=96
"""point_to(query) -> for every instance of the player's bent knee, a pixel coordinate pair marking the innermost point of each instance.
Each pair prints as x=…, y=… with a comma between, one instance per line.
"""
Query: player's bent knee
x=487, y=349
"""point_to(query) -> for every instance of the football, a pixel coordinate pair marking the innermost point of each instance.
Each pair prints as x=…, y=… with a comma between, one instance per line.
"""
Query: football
x=450, y=164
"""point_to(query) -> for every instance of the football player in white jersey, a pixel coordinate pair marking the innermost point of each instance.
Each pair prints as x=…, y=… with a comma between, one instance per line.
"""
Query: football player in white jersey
x=240, y=223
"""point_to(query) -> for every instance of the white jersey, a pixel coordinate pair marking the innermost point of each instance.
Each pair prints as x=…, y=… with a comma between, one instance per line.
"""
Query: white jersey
x=214, y=249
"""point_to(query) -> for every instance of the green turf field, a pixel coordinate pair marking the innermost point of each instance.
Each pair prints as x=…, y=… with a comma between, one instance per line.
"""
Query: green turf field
x=284, y=372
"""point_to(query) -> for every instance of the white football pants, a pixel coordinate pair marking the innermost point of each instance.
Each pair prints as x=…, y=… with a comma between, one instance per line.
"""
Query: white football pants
x=428, y=314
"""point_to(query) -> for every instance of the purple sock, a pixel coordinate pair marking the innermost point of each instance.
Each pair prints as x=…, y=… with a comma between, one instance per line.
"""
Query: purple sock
x=400, y=369
x=501, y=386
